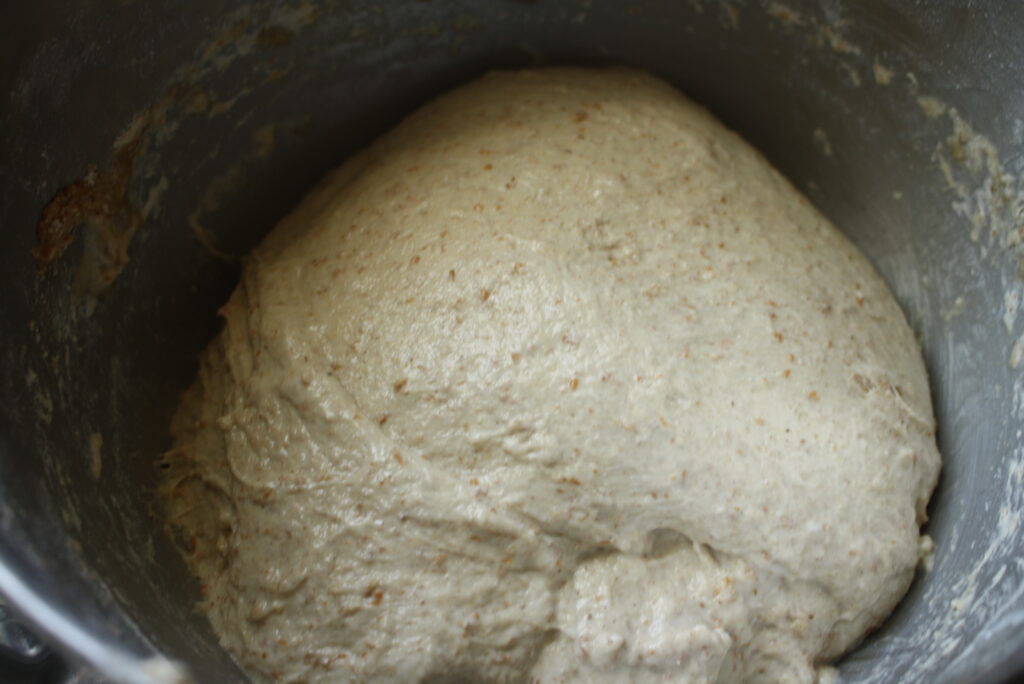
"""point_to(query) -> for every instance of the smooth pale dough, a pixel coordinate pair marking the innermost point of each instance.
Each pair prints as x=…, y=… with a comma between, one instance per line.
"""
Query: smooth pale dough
x=559, y=380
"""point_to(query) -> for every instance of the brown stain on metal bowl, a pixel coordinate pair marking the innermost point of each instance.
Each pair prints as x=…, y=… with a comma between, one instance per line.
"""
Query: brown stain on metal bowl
x=275, y=36
x=107, y=205
x=102, y=206
x=100, y=198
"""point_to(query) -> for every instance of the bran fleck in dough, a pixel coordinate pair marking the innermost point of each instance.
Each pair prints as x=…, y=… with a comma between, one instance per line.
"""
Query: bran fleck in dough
x=557, y=380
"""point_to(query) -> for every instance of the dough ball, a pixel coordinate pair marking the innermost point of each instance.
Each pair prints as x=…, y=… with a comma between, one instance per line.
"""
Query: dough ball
x=558, y=379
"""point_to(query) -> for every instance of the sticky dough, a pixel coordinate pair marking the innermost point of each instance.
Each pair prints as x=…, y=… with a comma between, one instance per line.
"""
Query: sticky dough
x=559, y=379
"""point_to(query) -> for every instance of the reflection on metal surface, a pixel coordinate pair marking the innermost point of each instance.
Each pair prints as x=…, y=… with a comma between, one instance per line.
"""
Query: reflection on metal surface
x=16, y=641
x=116, y=665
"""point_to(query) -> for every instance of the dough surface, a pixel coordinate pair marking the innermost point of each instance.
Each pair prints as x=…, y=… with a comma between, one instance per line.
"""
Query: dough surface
x=559, y=379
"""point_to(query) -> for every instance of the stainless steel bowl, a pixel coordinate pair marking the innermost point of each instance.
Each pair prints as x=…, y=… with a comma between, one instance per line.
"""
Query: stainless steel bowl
x=147, y=145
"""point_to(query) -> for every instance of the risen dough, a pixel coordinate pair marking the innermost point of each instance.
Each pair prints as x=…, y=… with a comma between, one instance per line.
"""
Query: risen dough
x=558, y=379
